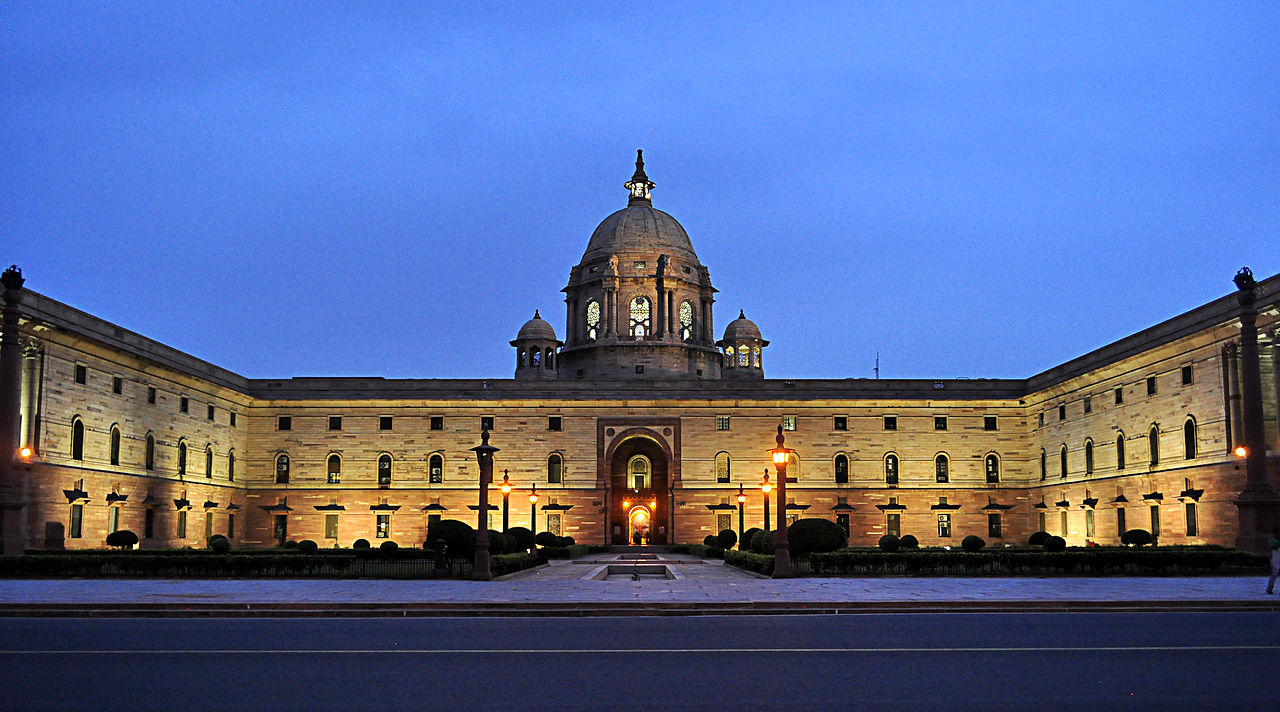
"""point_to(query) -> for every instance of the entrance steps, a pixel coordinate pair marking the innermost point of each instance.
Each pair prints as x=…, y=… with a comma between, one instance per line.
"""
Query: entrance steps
x=655, y=549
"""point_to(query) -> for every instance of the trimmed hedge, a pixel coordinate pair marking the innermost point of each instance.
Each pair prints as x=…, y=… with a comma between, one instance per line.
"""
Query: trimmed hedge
x=747, y=536
x=572, y=551
x=1029, y=562
x=759, y=563
x=707, y=552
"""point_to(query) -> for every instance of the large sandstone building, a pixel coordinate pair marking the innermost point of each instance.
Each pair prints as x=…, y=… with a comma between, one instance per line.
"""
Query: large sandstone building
x=634, y=420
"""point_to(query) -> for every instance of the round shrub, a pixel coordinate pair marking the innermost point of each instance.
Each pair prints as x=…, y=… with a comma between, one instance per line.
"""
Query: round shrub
x=291, y=544
x=524, y=538
x=726, y=538
x=219, y=544
x=567, y=541
x=909, y=542
x=360, y=544
x=763, y=544
x=709, y=540
x=512, y=543
x=497, y=542
x=1055, y=543
x=1037, y=538
x=388, y=546
x=815, y=536
x=457, y=535
x=972, y=543
x=1137, y=537
x=307, y=546
x=888, y=543
x=545, y=539
x=747, y=536
x=122, y=538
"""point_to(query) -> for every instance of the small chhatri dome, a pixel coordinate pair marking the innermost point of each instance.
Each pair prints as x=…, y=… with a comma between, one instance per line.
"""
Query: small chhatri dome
x=742, y=329
x=536, y=328
x=639, y=185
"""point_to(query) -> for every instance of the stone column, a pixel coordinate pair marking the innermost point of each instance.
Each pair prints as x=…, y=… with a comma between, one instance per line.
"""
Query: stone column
x=30, y=394
x=1275, y=381
x=659, y=316
x=671, y=298
x=1257, y=503
x=1233, y=394
x=11, y=502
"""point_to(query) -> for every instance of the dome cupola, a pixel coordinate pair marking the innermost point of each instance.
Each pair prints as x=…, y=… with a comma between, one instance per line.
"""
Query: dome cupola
x=537, y=349
x=743, y=348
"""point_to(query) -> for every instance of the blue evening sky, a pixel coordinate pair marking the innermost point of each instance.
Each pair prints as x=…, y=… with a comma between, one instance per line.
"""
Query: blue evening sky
x=970, y=189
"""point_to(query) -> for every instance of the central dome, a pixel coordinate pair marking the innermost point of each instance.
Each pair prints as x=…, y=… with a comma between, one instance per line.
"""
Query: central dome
x=640, y=229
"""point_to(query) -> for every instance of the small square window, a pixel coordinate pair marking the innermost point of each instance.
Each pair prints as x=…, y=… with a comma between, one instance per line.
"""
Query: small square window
x=840, y=422
x=891, y=422
x=1187, y=376
x=1062, y=411
x=437, y=422
x=554, y=423
x=232, y=418
x=988, y=422
x=639, y=265
x=1119, y=396
x=151, y=395
x=486, y=422
x=939, y=422
x=788, y=422
x=117, y=385
x=335, y=422
x=1151, y=385
x=184, y=405
x=210, y=412
x=82, y=374
x=1088, y=404
x=284, y=422
x=384, y=422
x=722, y=422
x=639, y=368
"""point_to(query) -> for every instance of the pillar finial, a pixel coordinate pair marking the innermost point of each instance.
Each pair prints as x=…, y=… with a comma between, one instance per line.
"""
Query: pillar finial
x=639, y=185
x=12, y=278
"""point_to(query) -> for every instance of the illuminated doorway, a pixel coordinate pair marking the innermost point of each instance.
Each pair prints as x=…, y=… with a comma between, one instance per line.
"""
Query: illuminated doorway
x=640, y=522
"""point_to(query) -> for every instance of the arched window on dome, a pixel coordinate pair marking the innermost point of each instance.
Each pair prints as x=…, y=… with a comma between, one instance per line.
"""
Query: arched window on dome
x=728, y=356
x=549, y=360
x=686, y=320
x=744, y=356
x=535, y=359
x=755, y=357
x=593, y=319
x=639, y=317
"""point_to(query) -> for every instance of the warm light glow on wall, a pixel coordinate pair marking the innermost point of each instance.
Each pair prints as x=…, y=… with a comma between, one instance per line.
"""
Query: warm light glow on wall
x=1241, y=451
x=25, y=452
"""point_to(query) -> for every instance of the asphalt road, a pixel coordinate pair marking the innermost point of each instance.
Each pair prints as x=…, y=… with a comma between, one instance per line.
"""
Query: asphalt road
x=957, y=661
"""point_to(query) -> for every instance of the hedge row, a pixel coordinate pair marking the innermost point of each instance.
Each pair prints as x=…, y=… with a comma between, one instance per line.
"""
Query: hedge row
x=572, y=551
x=400, y=563
x=707, y=552
x=749, y=560
x=1089, y=561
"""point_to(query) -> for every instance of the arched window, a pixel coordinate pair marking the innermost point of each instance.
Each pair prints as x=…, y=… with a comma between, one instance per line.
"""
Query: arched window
x=755, y=357
x=993, y=468
x=638, y=472
x=536, y=361
x=115, y=445
x=555, y=469
x=942, y=468
x=208, y=460
x=686, y=320
x=384, y=470
x=335, y=470
x=891, y=469
x=1120, y=451
x=231, y=466
x=77, y=439
x=1189, y=438
x=728, y=356
x=744, y=356
x=593, y=319
x=1062, y=461
x=549, y=359
x=282, y=469
x=149, y=454
x=723, y=467
x=1153, y=438
x=639, y=311
x=842, y=470
x=182, y=457
x=1044, y=465
x=1088, y=457
x=435, y=467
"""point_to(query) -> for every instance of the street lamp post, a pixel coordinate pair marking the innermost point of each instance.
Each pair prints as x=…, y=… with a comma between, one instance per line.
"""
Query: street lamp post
x=742, y=500
x=1257, y=504
x=506, y=501
x=765, y=488
x=484, y=456
x=781, y=552
x=533, y=516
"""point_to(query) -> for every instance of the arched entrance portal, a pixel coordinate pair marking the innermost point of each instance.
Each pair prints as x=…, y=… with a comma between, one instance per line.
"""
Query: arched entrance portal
x=638, y=487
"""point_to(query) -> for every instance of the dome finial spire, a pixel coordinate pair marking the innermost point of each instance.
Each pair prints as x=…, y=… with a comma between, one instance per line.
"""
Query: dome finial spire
x=639, y=185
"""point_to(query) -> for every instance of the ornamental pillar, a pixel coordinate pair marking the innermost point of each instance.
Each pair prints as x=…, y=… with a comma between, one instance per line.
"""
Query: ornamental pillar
x=1257, y=503
x=11, y=503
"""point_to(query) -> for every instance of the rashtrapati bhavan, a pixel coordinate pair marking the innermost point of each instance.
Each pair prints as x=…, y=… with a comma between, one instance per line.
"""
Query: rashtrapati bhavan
x=641, y=418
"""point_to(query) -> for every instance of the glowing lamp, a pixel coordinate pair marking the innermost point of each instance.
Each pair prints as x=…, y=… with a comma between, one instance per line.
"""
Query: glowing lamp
x=25, y=452
x=533, y=498
x=653, y=504
x=506, y=483
x=626, y=503
x=1241, y=451
x=742, y=498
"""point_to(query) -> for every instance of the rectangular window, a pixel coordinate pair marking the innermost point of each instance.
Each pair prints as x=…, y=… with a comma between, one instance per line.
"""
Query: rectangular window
x=113, y=520
x=182, y=524
x=1119, y=396
x=1120, y=530
x=944, y=526
x=1043, y=523
x=383, y=530
x=988, y=422
x=554, y=423
x=1062, y=411
x=1151, y=385
x=891, y=422
x=384, y=422
x=724, y=521
x=1088, y=523
x=284, y=422
x=331, y=526
x=148, y=523
x=1187, y=376
x=893, y=524
x=1155, y=521
x=788, y=422
x=840, y=422
x=231, y=525
x=553, y=523
x=722, y=422
x=151, y=395
x=486, y=423
x=842, y=521
x=210, y=412
x=993, y=525
x=1088, y=404
x=1193, y=529
x=939, y=422
x=1062, y=522
x=208, y=525
x=437, y=422
x=231, y=417
x=82, y=374
x=76, y=530
x=280, y=527
x=184, y=405
x=335, y=422
x=117, y=385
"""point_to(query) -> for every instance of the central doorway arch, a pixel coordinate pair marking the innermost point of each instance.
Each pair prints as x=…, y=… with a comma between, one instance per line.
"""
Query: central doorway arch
x=639, y=475
x=639, y=526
